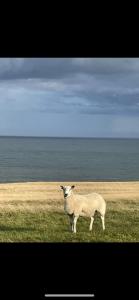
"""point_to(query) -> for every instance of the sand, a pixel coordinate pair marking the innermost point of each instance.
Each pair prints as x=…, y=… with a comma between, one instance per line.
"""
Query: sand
x=35, y=196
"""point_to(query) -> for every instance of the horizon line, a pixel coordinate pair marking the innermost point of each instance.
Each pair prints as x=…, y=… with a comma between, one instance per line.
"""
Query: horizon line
x=69, y=295
x=70, y=137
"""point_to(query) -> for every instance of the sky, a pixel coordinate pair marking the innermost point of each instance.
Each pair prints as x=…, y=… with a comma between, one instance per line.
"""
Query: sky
x=69, y=97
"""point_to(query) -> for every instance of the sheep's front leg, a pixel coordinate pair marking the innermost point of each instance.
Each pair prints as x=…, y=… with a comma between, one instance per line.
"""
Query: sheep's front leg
x=103, y=222
x=91, y=223
x=71, y=221
x=74, y=223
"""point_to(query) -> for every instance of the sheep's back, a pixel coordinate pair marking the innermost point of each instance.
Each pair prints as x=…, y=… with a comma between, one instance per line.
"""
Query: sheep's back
x=93, y=200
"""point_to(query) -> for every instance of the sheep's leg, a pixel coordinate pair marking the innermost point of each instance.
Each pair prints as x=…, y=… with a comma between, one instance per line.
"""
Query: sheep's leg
x=74, y=223
x=103, y=222
x=71, y=221
x=91, y=223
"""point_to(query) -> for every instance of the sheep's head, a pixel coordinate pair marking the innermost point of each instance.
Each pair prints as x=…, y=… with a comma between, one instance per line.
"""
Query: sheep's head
x=67, y=190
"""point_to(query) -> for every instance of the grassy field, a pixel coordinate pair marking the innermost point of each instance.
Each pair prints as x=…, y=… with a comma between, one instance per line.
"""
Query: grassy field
x=33, y=212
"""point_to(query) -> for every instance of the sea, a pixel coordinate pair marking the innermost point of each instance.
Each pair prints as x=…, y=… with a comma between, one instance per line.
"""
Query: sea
x=30, y=159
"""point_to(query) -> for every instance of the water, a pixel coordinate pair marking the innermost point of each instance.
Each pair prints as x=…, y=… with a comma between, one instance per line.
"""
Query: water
x=68, y=159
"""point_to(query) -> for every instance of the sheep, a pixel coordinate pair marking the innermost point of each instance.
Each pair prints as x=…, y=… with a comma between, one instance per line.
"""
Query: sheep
x=83, y=205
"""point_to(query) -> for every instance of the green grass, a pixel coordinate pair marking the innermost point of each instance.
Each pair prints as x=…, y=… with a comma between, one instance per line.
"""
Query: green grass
x=121, y=226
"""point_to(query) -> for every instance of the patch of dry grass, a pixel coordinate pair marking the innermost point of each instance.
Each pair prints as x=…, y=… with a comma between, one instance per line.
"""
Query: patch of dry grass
x=47, y=196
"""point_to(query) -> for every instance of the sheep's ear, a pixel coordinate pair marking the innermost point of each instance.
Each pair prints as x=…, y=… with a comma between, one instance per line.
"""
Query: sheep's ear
x=73, y=186
x=61, y=187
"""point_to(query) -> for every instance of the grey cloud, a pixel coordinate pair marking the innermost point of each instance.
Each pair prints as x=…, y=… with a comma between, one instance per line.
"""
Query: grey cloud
x=35, y=68
x=85, y=86
x=15, y=68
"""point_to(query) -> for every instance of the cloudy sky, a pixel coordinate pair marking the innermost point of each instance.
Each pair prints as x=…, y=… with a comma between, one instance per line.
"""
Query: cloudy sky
x=83, y=97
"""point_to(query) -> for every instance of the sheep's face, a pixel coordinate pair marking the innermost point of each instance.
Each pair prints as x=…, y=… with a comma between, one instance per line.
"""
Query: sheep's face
x=67, y=190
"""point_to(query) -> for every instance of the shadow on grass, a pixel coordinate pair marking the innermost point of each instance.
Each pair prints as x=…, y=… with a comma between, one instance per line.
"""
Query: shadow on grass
x=18, y=229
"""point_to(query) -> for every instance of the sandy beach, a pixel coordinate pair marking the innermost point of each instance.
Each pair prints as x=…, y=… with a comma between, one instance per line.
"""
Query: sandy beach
x=34, y=196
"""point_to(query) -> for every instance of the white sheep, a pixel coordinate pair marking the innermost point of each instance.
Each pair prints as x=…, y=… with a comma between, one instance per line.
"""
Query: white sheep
x=83, y=205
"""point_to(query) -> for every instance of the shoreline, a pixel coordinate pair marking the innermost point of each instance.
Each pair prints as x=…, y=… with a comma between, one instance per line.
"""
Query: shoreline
x=68, y=181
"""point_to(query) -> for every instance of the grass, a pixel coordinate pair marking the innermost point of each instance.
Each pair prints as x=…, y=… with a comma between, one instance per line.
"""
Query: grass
x=33, y=212
x=44, y=226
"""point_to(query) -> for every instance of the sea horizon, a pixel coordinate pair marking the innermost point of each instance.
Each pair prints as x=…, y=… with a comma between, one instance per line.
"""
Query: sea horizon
x=67, y=137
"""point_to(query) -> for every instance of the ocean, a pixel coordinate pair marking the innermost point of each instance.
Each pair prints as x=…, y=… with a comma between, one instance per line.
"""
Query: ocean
x=28, y=159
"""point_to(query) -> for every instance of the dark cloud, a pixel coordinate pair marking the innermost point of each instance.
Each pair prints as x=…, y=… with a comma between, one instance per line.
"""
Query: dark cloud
x=41, y=96
x=35, y=68
x=23, y=68
x=63, y=85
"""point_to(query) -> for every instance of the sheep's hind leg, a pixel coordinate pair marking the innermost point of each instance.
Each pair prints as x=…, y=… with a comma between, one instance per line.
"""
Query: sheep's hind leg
x=91, y=223
x=103, y=222
x=74, y=223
